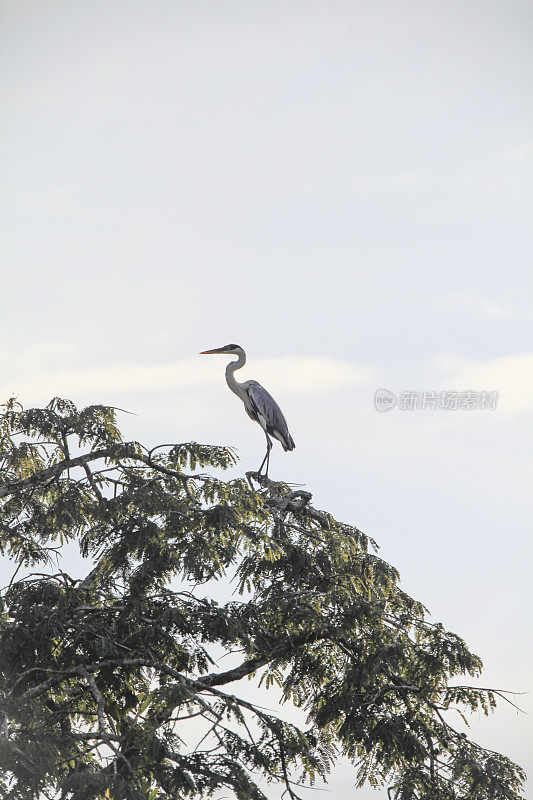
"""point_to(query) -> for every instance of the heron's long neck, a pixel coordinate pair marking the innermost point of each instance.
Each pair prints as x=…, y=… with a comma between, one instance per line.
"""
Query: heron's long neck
x=231, y=368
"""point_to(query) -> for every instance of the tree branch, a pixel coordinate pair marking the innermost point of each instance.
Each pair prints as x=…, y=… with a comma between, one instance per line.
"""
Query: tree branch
x=79, y=461
x=253, y=664
x=53, y=471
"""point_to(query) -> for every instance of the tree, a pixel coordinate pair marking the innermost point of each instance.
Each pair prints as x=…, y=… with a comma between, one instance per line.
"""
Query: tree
x=111, y=685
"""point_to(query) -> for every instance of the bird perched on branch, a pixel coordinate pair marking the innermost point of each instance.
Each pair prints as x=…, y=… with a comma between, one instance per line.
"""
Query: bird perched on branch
x=259, y=404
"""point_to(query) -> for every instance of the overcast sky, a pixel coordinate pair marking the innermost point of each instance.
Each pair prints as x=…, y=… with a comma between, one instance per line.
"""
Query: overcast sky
x=344, y=189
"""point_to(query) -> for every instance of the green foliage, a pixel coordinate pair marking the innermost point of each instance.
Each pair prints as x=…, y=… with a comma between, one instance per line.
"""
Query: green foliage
x=110, y=684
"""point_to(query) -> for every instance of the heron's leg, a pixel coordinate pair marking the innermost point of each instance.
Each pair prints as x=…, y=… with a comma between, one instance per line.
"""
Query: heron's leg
x=267, y=455
x=269, y=448
x=262, y=464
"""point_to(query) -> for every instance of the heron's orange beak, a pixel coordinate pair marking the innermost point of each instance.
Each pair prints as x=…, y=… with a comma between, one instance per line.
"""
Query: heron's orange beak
x=207, y=352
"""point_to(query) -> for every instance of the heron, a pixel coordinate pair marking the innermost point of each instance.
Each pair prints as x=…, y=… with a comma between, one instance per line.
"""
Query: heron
x=258, y=403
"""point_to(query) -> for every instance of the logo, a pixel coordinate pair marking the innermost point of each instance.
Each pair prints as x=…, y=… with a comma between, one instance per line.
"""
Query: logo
x=384, y=400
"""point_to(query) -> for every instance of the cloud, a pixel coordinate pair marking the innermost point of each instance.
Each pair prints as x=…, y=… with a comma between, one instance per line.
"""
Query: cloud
x=384, y=182
x=523, y=152
x=308, y=375
x=295, y=376
x=36, y=356
x=493, y=309
x=510, y=376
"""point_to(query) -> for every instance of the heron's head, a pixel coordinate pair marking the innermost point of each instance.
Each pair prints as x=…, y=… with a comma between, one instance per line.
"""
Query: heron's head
x=228, y=349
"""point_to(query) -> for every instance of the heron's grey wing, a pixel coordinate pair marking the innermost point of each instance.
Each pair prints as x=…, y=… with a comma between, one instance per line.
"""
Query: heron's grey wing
x=269, y=414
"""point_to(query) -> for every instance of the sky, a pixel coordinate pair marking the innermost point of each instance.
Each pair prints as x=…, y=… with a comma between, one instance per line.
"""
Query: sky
x=343, y=188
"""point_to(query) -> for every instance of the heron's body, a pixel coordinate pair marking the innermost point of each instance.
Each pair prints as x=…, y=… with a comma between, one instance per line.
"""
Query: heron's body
x=262, y=408
x=258, y=403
